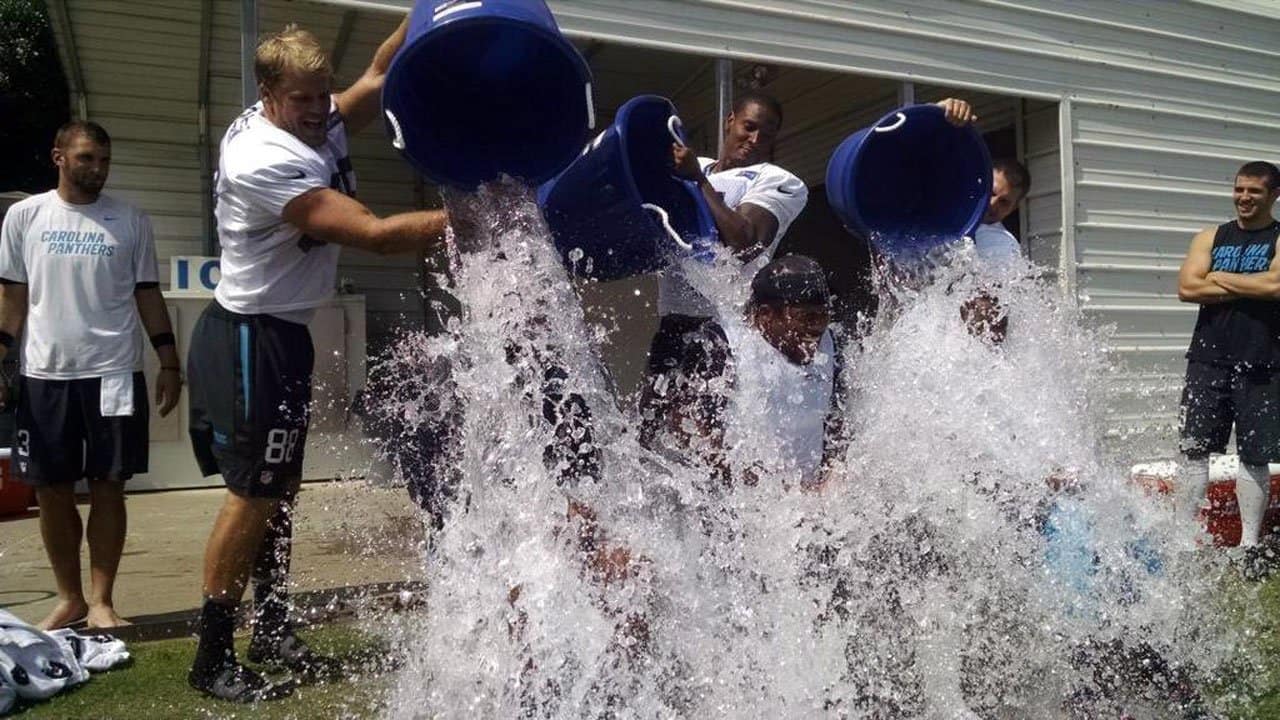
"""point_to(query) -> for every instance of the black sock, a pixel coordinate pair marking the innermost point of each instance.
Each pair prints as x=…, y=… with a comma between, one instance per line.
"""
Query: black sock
x=216, y=628
x=271, y=579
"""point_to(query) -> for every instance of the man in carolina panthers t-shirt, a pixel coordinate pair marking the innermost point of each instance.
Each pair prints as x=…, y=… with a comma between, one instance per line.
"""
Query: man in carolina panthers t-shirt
x=753, y=203
x=285, y=202
x=77, y=272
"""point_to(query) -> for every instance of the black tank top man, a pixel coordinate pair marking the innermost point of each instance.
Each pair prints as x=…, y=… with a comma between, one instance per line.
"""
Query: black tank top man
x=1243, y=332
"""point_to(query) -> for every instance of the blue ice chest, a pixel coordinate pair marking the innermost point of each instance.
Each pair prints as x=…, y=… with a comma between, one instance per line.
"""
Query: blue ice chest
x=911, y=181
x=618, y=211
x=483, y=87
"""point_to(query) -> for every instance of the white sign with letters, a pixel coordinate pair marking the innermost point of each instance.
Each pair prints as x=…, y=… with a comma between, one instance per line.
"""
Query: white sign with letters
x=194, y=274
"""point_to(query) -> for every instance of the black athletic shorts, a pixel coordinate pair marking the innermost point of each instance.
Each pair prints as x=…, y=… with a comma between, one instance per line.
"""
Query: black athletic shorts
x=61, y=435
x=249, y=379
x=1216, y=397
x=684, y=355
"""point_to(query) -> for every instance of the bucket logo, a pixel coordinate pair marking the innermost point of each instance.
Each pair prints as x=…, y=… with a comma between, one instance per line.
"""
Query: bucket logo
x=452, y=6
x=74, y=242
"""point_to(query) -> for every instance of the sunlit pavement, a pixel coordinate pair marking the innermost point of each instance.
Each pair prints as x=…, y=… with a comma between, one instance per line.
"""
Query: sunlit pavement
x=347, y=534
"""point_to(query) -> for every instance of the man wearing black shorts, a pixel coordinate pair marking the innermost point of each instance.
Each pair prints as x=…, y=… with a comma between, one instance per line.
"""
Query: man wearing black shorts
x=285, y=191
x=78, y=269
x=1233, y=364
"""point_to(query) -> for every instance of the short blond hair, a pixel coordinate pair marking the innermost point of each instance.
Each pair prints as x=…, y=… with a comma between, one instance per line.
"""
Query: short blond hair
x=291, y=49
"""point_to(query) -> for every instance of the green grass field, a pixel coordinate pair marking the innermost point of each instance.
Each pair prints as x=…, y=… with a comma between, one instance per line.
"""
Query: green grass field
x=154, y=686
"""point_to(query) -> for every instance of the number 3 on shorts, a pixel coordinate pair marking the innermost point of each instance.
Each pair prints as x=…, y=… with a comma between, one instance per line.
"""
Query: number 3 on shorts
x=280, y=445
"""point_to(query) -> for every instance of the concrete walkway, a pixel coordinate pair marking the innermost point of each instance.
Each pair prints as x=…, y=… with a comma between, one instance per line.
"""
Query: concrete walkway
x=347, y=533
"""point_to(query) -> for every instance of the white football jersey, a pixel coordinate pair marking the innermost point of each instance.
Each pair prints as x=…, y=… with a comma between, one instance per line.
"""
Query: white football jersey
x=81, y=265
x=269, y=266
x=995, y=245
x=778, y=409
x=766, y=185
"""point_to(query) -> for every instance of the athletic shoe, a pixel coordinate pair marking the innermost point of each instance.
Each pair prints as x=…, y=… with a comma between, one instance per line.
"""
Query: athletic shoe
x=237, y=683
x=1258, y=562
x=287, y=651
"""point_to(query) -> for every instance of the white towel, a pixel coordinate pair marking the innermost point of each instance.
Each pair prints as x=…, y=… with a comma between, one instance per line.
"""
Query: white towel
x=116, y=397
x=95, y=652
x=36, y=665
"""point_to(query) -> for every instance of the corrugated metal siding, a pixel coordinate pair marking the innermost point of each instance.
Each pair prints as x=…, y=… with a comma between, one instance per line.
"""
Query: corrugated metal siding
x=139, y=60
x=1146, y=182
x=1166, y=97
x=1166, y=100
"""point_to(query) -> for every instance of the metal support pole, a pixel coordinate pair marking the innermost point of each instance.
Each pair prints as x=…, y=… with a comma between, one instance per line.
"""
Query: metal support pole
x=1067, y=260
x=906, y=93
x=209, y=231
x=724, y=99
x=69, y=55
x=248, y=45
x=1020, y=151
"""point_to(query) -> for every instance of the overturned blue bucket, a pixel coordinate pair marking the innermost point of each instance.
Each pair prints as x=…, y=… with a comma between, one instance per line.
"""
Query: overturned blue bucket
x=617, y=211
x=910, y=182
x=485, y=87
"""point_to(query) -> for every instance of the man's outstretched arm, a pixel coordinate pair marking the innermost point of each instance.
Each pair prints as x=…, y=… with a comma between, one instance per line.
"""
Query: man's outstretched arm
x=359, y=104
x=330, y=216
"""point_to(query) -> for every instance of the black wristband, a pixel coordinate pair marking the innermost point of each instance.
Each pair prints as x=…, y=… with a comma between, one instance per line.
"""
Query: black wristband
x=159, y=340
x=6, y=340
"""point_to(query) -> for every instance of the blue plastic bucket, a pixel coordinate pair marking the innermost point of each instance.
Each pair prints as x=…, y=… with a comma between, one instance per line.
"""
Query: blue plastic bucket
x=911, y=181
x=606, y=210
x=483, y=87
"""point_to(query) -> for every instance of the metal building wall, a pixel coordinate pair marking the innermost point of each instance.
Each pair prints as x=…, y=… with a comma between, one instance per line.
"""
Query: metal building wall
x=1144, y=108
x=138, y=61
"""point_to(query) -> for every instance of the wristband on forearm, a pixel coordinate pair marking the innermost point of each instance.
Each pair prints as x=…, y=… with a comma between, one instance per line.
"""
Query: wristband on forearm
x=159, y=340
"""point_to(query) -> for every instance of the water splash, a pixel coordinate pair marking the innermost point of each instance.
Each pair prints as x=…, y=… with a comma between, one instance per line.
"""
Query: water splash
x=974, y=555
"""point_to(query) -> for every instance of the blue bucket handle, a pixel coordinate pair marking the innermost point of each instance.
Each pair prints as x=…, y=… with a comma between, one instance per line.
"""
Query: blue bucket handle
x=902, y=120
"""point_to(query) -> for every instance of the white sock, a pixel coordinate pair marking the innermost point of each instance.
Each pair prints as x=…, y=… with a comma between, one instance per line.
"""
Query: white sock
x=1253, y=494
x=1190, y=494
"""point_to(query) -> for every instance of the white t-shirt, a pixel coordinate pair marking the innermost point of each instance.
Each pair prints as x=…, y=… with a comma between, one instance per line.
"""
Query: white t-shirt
x=81, y=265
x=778, y=409
x=269, y=266
x=765, y=185
x=995, y=245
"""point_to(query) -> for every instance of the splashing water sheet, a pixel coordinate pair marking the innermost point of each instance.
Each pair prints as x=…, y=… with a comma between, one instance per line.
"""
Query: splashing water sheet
x=974, y=555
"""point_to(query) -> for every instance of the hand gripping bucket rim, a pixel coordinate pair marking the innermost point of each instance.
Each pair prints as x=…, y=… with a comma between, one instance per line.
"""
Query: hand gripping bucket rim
x=675, y=127
x=447, y=25
x=628, y=225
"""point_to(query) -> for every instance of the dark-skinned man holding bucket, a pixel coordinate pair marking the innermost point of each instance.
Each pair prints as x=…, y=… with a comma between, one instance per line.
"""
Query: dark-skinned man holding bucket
x=753, y=203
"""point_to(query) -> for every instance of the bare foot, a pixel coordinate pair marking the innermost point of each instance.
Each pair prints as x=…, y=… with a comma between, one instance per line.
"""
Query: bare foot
x=104, y=616
x=65, y=613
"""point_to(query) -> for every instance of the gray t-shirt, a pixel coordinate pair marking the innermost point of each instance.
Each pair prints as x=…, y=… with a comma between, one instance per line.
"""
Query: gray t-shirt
x=81, y=265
